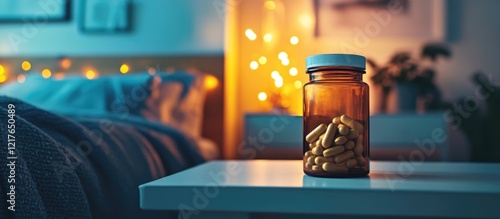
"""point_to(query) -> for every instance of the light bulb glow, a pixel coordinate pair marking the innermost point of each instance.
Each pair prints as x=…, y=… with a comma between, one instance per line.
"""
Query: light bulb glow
x=124, y=69
x=65, y=63
x=250, y=34
x=282, y=55
x=254, y=65
x=2, y=70
x=46, y=73
x=268, y=37
x=271, y=5
x=275, y=75
x=278, y=83
x=26, y=66
x=3, y=78
x=297, y=84
x=262, y=60
x=262, y=96
x=285, y=62
x=293, y=71
x=294, y=40
x=90, y=74
x=211, y=82
x=21, y=78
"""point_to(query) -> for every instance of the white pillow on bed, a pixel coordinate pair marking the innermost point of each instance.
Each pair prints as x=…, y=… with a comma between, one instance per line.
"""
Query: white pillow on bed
x=171, y=98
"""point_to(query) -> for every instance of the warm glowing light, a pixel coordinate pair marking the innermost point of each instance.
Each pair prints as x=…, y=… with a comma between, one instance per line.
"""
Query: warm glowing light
x=65, y=63
x=294, y=40
x=268, y=37
x=211, y=82
x=306, y=20
x=275, y=75
x=151, y=70
x=278, y=83
x=2, y=70
x=285, y=62
x=262, y=60
x=90, y=74
x=46, y=73
x=254, y=65
x=282, y=55
x=58, y=76
x=262, y=96
x=297, y=84
x=271, y=5
x=293, y=71
x=26, y=66
x=250, y=34
x=124, y=69
x=21, y=78
x=3, y=78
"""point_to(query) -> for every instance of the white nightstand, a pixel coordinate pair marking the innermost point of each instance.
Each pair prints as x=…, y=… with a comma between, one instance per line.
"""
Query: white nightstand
x=237, y=189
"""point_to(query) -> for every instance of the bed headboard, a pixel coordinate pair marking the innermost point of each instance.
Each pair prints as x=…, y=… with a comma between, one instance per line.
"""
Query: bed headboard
x=214, y=65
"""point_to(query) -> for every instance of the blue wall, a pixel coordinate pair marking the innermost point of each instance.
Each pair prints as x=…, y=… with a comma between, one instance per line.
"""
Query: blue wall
x=161, y=27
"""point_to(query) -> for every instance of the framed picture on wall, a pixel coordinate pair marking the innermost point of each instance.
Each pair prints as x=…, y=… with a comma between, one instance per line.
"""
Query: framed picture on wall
x=34, y=11
x=380, y=18
x=106, y=16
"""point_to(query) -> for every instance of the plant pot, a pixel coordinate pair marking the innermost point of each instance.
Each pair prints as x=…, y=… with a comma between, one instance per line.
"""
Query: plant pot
x=403, y=98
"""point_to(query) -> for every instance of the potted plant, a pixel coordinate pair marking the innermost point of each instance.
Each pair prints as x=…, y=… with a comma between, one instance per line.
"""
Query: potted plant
x=410, y=79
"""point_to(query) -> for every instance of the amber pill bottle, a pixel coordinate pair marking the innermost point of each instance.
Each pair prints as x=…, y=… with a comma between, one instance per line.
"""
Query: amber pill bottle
x=336, y=117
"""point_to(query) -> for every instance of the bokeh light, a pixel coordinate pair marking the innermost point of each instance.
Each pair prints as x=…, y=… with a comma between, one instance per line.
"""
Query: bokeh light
x=46, y=73
x=270, y=5
x=262, y=60
x=275, y=75
x=262, y=96
x=21, y=78
x=254, y=65
x=282, y=55
x=26, y=66
x=250, y=34
x=293, y=71
x=90, y=74
x=211, y=82
x=268, y=37
x=297, y=84
x=124, y=69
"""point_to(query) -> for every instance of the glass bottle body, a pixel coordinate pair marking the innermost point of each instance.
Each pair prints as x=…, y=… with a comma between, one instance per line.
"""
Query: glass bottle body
x=336, y=123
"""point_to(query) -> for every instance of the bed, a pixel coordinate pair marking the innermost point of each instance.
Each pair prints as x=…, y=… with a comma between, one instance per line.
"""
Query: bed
x=79, y=148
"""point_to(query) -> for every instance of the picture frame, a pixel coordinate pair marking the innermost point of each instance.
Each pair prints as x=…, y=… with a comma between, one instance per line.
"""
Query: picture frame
x=35, y=11
x=406, y=19
x=106, y=16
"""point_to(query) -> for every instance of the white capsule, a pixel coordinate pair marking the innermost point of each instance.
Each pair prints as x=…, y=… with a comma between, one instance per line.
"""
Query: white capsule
x=340, y=140
x=351, y=163
x=318, y=150
x=336, y=120
x=333, y=151
x=334, y=168
x=310, y=160
x=344, y=156
x=352, y=123
x=329, y=135
x=353, y=134
x=314, y=134
x=349, y=145
x=317, y=168
x=343, y=130
x=358, y=150
x=319, y=160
